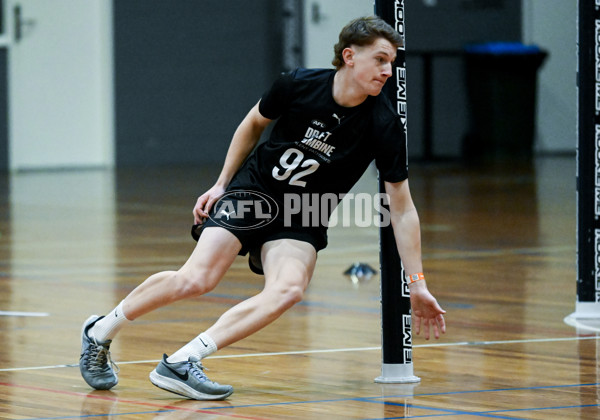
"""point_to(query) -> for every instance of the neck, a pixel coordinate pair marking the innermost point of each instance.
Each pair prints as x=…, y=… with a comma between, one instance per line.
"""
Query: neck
x=345, y=92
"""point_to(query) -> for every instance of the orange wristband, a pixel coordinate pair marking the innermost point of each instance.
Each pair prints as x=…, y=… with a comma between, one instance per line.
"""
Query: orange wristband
x=415, y=277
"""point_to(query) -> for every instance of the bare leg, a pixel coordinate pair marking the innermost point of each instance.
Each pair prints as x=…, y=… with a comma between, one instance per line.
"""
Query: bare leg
x=215, y=252
x=288, y=266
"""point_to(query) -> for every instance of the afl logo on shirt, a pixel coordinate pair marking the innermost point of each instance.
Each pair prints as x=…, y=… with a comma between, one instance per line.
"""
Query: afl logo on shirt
x=317, y=123
x=244, y=210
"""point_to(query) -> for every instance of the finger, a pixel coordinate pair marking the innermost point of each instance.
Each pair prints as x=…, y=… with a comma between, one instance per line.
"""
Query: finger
x=208, y=205
x=417, y=325
x=442, y=323
x=202, y=213
x=197, y=210
x=198, y=214
x=426, y=329
x=436, y=331
x=210, y=202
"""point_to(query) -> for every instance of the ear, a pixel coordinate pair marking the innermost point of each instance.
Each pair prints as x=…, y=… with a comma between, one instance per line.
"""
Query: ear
x=348, y=56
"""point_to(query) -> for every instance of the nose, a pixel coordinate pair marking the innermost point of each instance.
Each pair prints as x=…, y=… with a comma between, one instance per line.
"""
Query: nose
x=387, y=70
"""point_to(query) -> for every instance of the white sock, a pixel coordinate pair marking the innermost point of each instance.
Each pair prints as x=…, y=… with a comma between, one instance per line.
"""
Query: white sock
x=199, y=347
x=110, y=325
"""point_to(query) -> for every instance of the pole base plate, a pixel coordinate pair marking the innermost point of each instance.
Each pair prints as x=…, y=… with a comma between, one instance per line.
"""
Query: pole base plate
x=398, y=373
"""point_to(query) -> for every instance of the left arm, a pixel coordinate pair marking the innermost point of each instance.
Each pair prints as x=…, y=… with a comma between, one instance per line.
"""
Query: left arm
x=427, y=313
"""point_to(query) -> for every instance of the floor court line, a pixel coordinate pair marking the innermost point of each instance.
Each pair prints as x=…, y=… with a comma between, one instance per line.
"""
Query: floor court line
x=443, y=413
x=23, y=314
x=490, y=413
x=108, y=416
x=375, y=399
x=316, y=351
x=160, y=407
x=495, y=414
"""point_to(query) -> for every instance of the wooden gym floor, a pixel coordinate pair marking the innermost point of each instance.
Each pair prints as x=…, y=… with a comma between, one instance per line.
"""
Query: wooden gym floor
x=499, y=251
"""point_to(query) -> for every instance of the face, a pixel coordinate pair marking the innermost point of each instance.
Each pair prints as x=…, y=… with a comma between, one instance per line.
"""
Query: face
x=371, y=65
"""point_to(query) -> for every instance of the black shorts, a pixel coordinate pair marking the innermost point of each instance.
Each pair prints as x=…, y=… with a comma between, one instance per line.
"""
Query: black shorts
x=253, y=229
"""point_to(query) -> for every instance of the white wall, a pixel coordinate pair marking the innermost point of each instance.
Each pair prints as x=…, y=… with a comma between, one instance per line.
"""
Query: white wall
x=552, y=24
x=60, y=85
x=323, y=20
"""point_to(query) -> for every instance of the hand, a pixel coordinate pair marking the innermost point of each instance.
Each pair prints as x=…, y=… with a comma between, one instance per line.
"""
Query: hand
x=205, y=203
x=427, y=313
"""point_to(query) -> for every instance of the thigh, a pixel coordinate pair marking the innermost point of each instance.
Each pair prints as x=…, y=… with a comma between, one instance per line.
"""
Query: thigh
x=214, y=253
x=288, y=261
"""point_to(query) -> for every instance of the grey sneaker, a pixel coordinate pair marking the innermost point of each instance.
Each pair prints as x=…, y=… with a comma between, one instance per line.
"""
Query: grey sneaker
x=95, y=364
x=188, y=379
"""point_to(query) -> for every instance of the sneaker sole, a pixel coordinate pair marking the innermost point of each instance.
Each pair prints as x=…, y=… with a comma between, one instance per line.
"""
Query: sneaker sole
x=179, y=388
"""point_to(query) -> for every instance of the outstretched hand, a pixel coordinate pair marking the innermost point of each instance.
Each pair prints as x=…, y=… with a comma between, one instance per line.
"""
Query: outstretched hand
x=427, y=313
x=205, y=203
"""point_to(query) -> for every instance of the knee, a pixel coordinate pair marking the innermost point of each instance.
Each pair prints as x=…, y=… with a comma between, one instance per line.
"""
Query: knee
x=193, y=283
x=287, y=297
x=294, y=295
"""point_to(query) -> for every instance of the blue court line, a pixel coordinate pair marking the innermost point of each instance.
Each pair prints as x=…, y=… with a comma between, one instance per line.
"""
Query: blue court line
x=445, y=411
x=433, y=394
x=374, y=400
x=481, y=413
x=544, y=408
x=475, y=391
x=490, y=414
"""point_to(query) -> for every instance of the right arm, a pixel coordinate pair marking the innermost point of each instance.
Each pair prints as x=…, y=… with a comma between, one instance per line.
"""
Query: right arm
x=244, y=140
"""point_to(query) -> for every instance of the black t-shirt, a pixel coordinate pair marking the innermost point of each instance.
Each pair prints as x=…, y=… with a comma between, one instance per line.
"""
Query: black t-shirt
x=318, y=146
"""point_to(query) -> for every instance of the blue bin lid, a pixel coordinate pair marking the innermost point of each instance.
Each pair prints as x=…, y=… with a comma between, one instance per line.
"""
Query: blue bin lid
x=502, y=48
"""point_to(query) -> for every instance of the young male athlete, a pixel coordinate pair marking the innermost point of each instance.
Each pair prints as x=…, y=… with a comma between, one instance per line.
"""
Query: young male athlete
x=330, y=125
